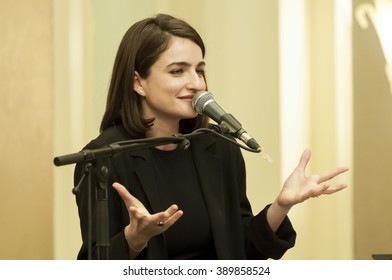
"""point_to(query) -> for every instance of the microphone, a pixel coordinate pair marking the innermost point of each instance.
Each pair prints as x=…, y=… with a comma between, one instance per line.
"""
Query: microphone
x=204, y=104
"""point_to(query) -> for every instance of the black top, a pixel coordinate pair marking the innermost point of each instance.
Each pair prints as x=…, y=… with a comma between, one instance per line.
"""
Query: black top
x=190, y=237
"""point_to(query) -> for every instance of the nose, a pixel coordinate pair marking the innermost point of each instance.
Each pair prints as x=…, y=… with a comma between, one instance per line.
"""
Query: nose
x=196, y=82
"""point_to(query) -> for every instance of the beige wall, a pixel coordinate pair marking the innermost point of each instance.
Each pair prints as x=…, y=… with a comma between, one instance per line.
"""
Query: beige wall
x=314, y=108
x=282, y=67
x=26, y=111
x=372, y=144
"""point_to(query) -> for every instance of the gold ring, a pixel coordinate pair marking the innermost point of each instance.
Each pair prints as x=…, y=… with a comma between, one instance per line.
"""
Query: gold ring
x=160, y=224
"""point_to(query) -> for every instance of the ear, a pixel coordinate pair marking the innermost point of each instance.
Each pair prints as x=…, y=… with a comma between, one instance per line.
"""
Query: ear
x=137, y=84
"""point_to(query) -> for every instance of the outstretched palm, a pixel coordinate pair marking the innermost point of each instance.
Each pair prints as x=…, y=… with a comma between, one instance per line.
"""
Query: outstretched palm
x=143, y=225
x=298, y=187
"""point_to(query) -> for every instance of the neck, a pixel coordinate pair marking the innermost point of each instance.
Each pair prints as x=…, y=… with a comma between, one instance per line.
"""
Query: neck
x=162, y=130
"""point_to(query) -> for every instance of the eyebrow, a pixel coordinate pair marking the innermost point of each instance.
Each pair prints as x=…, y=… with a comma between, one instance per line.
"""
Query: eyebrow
x=185, y=64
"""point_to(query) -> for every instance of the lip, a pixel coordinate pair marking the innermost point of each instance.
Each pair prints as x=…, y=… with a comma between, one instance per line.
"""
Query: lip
x=186, y=97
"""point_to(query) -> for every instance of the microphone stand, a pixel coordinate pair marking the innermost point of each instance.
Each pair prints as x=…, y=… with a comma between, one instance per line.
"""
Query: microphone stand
x=99, y=168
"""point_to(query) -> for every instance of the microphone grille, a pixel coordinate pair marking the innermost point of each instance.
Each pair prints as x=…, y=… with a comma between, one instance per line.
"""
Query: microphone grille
x=200, y=100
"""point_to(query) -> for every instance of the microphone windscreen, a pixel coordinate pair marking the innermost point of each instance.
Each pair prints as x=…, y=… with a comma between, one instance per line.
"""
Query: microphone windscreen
x=200, y=99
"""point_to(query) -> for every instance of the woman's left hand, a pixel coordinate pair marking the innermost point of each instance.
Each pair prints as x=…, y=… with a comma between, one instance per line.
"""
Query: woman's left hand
x=298, y=187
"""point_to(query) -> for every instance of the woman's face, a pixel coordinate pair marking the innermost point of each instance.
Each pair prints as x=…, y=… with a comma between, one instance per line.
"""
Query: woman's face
x=172, y=82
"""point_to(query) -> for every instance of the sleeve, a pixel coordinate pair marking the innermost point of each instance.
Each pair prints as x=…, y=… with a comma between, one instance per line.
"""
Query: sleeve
x=263, y=242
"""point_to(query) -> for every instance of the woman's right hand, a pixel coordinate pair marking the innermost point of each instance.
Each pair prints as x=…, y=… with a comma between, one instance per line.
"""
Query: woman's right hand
x=143, y=225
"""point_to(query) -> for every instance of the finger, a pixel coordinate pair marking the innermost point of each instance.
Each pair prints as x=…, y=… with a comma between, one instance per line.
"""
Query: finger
x=170, y=220
x=168, y=217
x=173, y=218
x=171, y=210
x=135, y=214
x=128, y=199
x=331, y=174
x=138, y=212
x=163, y=216
x=123, y=192
x=316, y=191
x=304, y=160
x=335, y=189
x=325, y=189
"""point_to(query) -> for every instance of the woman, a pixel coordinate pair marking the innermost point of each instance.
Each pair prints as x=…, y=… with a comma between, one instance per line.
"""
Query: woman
x=170, y=203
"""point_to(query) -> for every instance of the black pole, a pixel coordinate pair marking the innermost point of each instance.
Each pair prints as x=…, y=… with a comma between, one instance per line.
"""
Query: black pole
x=101, y=196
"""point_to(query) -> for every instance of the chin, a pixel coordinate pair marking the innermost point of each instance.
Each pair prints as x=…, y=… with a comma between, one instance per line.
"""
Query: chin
x=191, y=116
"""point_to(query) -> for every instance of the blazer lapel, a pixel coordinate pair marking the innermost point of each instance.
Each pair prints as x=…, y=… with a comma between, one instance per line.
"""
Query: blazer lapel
x=147, y=180
x=157, y=245
x=209, y=169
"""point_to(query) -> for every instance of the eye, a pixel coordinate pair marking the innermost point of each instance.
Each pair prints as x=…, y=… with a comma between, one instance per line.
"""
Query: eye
x=176, y=71
x=200, y=72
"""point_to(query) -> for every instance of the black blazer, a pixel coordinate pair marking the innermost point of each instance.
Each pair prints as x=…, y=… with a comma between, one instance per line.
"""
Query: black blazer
x=237, y=233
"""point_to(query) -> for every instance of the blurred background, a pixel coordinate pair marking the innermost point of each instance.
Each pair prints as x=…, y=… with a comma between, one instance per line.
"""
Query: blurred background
x=297, y=74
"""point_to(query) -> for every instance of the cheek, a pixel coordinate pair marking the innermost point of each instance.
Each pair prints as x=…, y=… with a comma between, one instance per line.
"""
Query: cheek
x=166, y=86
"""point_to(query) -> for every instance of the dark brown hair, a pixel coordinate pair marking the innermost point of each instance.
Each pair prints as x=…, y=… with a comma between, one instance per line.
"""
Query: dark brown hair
x=139, y=49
